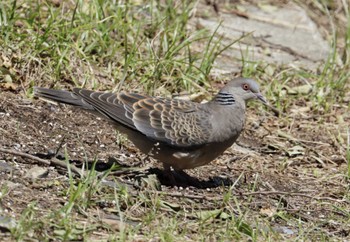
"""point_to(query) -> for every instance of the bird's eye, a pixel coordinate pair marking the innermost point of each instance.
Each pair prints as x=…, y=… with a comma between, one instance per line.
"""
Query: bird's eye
x=245, y=86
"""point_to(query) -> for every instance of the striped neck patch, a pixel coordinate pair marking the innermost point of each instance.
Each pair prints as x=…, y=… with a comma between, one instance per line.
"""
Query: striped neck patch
x=223, y=98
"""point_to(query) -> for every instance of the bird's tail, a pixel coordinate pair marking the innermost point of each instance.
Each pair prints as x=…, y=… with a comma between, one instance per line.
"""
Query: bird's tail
x=62, y=96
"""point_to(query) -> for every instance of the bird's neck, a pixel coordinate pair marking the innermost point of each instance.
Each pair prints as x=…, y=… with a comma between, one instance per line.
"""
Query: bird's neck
x=227, y=117
x=228, y=100
x=224, y=99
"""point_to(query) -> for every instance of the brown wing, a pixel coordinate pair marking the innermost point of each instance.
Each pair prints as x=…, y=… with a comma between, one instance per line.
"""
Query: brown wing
x=176, y=122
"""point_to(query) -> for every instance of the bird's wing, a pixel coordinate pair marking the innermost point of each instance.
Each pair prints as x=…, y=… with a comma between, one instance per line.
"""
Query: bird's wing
x=176, y=122
x=108, y=105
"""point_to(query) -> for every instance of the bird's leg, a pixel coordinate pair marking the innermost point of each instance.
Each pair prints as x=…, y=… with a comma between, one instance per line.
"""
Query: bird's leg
x=179, y=178
x=169, y=174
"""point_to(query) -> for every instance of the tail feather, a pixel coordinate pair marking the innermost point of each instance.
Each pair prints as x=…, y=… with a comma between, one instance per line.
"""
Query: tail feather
x=62, y=96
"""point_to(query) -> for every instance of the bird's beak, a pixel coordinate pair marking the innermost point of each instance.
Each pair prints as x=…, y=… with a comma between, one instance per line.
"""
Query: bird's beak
x=261, y=97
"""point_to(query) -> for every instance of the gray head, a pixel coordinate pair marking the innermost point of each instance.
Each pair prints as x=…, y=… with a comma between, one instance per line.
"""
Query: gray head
x=243, y=88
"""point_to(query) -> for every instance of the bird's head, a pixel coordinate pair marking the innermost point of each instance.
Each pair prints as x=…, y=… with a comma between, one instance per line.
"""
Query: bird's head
x=244, y=88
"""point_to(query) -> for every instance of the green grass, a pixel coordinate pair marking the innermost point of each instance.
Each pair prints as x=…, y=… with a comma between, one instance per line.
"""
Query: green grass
x=151, y=48
x=149, y=43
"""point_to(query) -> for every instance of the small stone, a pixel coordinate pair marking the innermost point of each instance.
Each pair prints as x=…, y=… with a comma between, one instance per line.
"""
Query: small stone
x=5, y=167
x=7, y=223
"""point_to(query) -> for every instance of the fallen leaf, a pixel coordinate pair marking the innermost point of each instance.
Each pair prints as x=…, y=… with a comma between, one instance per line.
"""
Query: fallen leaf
x=295, y=150
x=37, y=172
x=8, y=86
x=269, y=212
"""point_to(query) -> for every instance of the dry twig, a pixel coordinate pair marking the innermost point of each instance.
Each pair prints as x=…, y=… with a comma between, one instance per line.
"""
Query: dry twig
x=53, y=161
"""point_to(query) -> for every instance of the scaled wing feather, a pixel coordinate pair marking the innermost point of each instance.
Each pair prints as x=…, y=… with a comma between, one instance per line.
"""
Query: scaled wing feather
x=176, y=122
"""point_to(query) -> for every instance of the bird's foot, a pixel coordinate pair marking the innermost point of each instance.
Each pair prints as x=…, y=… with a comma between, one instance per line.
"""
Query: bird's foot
x=180, y=179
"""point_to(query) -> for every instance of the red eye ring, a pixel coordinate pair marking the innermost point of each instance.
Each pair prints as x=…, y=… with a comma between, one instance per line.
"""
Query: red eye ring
x=245, y=86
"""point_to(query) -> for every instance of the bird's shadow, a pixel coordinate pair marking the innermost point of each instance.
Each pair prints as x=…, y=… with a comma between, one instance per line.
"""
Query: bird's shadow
x=184, y=180
x=181, y=179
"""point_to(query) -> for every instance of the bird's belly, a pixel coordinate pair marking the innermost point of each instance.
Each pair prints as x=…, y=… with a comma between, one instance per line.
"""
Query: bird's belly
x=181, y=159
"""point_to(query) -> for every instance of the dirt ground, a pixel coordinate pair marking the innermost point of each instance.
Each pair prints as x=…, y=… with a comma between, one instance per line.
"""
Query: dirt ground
x=297, y=169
